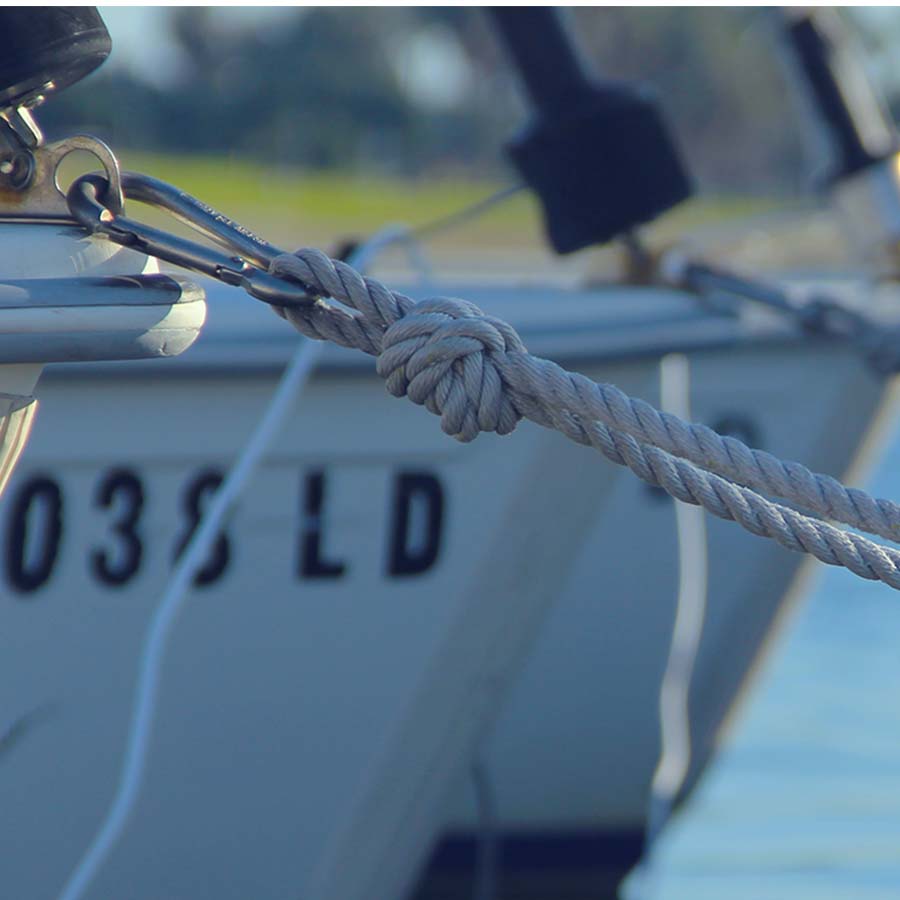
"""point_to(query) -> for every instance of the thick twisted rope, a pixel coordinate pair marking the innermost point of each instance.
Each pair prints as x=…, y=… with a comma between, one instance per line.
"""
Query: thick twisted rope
x=474, y=372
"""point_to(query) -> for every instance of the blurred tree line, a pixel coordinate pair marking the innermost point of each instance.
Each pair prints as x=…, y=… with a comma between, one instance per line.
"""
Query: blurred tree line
x=414, y=91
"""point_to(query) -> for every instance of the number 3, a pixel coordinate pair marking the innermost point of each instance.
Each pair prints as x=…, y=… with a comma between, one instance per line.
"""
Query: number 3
x=121, y=486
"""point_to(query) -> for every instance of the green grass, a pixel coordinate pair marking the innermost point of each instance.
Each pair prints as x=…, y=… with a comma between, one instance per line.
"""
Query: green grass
x=293, y=207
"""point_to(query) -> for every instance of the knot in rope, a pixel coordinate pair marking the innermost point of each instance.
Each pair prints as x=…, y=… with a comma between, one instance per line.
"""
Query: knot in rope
x=474, y=372
x=445, y=355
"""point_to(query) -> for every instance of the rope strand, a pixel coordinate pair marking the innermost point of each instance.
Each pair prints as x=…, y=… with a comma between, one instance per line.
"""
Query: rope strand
x=475, y=373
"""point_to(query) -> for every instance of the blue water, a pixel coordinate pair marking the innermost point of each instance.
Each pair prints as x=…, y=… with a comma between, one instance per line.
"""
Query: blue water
x=804, y=800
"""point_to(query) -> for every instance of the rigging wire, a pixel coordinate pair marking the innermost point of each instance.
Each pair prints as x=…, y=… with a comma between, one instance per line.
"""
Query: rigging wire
x=464, y=216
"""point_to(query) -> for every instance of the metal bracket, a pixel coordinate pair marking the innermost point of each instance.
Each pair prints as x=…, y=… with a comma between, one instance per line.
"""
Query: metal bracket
x=244, y=262
x=29, y=189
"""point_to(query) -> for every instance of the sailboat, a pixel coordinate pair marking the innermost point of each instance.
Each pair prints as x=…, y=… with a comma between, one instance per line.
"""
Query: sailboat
x=398, y=648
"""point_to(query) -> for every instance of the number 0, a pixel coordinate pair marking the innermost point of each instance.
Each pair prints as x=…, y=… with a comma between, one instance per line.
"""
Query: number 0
x=30, y=556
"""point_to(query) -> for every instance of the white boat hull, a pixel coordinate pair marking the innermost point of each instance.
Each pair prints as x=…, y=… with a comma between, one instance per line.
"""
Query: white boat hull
x=363, y=631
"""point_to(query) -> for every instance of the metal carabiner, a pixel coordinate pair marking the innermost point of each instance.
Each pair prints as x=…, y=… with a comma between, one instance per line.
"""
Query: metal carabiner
x=245, y=266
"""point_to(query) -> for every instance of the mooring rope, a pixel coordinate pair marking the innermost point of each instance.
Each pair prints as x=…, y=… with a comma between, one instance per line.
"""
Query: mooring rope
x=473, y=371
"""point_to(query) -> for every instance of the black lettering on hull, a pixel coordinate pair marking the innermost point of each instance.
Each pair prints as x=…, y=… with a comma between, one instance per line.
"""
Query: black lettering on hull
x=30, y=557
x=313, y=563
x=415, y=492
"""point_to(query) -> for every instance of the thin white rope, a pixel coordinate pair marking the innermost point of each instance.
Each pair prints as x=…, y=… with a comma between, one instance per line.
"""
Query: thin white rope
x=391, y=236
x=284, y=398
x=693, y=568
x=676, y=752
x=152, y=654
